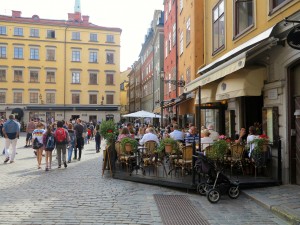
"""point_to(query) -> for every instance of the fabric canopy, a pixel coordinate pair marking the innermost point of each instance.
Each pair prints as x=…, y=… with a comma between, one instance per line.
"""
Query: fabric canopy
x=246, y=82
x=208, y=93
x=142, y=114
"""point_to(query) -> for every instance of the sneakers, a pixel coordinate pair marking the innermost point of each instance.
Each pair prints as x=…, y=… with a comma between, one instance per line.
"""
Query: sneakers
x=59, y=166
x=69, y=161
x=25, y=146
x=78, y=159
x=65, y=164
x=11, y=161
x=6, y=160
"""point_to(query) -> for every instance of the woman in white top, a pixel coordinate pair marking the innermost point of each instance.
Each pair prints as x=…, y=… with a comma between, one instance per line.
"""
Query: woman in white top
x=38, y=134
x=251, y=136
x=206, y=140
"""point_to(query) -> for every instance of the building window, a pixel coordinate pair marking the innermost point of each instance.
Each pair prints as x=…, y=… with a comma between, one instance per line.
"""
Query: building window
x=181, y=43
x=110, y=38
x=93, y=99
x=243, y=15
x=50, y=77
x=76, y=56
x=50, y=33
x=34, y=32
x=2, y=75
x=76, y=35
x=18, y=97
x=34, y=53
x=93, y=37
x=109, y=99
x=34, y=77
x=93, y=78
x=2, y=97
x=18, y=31
x=33, y=97
x=174, y=34
x=109, y=57
x=75, y=98
x=122, y=86
x=75, y=78
x=181, y=5
x=18, y=52
x=166, y=49
x=109, y=79
x=50, y=54
x=170, y=42
x=188, y=31
x=18, y=76
x=218, y=26
x=188, y=75
x=2, y=52
x=50, y=98
x=93, y=57
x=276, y=4
x=2, y=30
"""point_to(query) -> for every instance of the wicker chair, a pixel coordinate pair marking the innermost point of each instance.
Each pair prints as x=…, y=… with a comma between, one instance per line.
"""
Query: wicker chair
x=185, y=163
x=237, y=157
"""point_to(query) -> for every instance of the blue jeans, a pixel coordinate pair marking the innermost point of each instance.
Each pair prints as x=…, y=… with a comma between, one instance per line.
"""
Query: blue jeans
x=70, y=150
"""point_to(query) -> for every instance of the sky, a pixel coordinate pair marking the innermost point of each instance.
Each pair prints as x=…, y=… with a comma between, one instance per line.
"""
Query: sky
x=132, y=16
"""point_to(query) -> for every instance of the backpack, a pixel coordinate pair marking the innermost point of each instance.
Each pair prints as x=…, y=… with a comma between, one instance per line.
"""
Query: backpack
x=72, y=138
x=50, y=144
x=36, y=144
x=60, y=136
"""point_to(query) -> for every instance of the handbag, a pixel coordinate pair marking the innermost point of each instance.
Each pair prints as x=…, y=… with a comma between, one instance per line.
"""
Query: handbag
x=36, y=144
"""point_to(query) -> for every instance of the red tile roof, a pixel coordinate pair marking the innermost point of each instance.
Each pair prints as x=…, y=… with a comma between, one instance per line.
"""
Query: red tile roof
x=36, y=20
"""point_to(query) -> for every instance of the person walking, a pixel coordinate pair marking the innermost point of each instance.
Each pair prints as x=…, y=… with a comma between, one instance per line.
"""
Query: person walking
x=62, y=138
x=11, y=131
x=97, y=138
x=71, y=146
x=29, y=129
x=37, y=143
x=79, y=130
x=49, y=144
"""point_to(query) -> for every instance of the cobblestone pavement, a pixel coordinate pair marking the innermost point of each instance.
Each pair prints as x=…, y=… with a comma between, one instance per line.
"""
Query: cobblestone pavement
x=80, y=195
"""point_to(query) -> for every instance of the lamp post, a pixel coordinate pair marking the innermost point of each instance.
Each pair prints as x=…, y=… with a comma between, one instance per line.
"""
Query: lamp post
x=162, y=78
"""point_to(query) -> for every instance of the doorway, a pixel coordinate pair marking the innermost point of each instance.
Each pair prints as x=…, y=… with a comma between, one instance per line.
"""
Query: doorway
x=294, y=122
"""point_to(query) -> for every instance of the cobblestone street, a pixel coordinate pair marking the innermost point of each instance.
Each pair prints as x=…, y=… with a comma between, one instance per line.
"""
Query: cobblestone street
x=80, y=195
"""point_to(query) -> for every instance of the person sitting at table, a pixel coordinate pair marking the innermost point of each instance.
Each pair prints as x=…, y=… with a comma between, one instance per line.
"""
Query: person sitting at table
x=213, y=134
x=241, y=137
x=124, y=133
x=131, y=129
x=192, y=135
x=177, y=134
x=251, y=136
x=206, y=140
x=149, y=136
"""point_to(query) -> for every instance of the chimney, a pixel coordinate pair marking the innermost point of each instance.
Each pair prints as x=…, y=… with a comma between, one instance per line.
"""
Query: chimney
x=77, y=16
x=70, y=16
x=16, y=14
x=85, y=19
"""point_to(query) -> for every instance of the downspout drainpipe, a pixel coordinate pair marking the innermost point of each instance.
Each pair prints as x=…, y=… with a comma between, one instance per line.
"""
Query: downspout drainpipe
x=176, y=75
x=65, y=69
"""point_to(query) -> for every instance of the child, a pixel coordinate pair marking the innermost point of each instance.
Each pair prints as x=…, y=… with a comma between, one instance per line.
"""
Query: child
x=49, y=143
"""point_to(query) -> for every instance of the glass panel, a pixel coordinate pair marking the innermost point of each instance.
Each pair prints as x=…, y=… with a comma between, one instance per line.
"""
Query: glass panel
x=221, y=32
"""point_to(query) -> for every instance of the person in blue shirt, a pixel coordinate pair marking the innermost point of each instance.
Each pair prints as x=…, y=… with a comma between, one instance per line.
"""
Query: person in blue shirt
x=192, y=135
x=177, y=134
x=11, y=131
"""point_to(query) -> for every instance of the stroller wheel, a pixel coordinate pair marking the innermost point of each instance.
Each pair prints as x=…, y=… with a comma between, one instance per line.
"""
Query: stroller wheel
x=213, y=195
x=234, y=192
x=202, y=188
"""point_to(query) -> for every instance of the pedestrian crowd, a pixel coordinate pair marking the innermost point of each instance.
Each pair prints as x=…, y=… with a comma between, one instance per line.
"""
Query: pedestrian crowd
x=60, y=136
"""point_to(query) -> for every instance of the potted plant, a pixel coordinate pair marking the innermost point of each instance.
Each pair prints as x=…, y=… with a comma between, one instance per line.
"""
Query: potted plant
x=129, y=145
x=219, y=149
x=167, y=145
x=259, y=145
x=108, y=131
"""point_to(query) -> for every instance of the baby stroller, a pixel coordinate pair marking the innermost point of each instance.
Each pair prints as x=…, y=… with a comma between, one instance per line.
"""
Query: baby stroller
x=216, y=183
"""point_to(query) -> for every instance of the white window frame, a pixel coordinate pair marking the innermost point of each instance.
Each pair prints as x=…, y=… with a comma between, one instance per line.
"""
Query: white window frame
x=76, y=55
x=17, y=92
x=34, y=54
x=48, y=56
x=37, y=97
x=75, y=78
x=49, y=97
x=181, y=43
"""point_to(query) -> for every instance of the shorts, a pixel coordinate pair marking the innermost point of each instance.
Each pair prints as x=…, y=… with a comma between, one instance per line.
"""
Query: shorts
x=28, y=136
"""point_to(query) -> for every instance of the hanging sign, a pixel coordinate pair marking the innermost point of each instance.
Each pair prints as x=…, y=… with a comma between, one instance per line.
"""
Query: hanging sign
x=293, y=38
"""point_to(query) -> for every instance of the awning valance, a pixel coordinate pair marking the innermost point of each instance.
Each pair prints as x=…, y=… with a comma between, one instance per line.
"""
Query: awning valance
x=245, y=82
x=208, y=93
x=232, y=61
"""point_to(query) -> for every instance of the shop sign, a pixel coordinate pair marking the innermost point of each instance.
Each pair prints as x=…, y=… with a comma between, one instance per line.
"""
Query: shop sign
x=293, y=38
x=273, y=94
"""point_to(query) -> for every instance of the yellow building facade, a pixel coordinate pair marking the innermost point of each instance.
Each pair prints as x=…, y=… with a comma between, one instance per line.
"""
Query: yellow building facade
x=56, y=69
x=124, y=89
x=190, y=51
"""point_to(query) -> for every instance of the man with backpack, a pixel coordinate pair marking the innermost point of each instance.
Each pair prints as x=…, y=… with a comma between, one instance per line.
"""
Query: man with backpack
x=62, y=139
